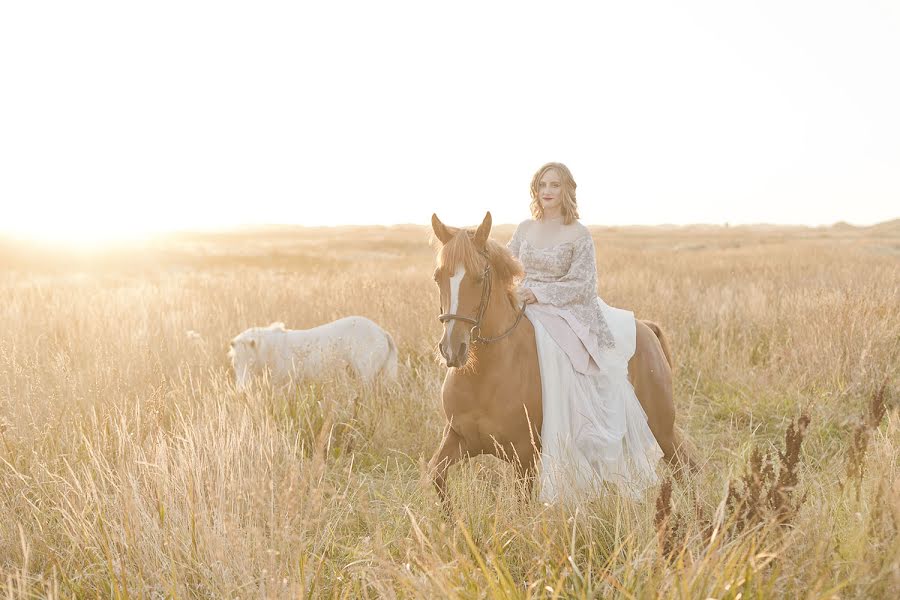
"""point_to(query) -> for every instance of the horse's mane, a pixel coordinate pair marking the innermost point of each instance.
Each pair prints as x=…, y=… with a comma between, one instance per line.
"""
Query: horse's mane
x=506, y=270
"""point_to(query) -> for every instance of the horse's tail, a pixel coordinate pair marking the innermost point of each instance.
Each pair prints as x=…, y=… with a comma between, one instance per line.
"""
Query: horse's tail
x=389, y=368
x=663, y=341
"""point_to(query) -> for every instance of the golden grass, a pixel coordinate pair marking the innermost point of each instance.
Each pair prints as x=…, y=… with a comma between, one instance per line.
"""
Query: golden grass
x=129, y=466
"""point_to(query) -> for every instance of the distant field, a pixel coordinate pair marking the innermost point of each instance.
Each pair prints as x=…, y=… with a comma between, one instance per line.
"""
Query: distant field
x=129, y=466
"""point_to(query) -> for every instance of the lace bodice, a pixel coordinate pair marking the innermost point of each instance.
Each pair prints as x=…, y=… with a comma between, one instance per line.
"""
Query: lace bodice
x=563, y=278
x=563, y=274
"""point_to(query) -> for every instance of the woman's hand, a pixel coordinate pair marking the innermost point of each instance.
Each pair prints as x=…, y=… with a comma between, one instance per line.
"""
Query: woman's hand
x=529, y=296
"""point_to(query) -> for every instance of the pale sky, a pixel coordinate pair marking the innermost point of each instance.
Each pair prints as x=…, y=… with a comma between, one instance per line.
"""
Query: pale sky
x=120, y=117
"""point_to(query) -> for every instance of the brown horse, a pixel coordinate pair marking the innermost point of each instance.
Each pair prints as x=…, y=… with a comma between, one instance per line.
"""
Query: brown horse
x=492, y=391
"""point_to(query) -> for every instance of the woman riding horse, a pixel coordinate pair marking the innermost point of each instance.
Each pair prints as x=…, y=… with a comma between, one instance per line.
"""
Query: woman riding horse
x=583, y=383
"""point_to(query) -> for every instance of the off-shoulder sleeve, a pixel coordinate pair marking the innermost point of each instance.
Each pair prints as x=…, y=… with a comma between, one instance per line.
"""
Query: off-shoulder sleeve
x=578, y=285
x=515, y=241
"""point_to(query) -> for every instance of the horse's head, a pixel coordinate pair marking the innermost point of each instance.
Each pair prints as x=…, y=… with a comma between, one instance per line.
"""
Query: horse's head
x=469, y=264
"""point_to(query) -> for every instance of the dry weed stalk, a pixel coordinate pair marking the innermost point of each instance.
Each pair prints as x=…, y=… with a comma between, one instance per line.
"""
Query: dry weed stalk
x=862, y=432
x=766, y=491
x=672, y=528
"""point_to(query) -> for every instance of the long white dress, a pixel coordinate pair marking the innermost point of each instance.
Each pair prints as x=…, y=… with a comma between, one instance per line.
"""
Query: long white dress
x=594, y=430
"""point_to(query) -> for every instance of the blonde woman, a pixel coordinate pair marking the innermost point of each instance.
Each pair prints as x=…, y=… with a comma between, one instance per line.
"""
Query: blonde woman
x=594, y=429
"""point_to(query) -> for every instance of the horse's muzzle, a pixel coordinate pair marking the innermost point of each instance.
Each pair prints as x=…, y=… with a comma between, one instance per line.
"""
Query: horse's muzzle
x=458, y=358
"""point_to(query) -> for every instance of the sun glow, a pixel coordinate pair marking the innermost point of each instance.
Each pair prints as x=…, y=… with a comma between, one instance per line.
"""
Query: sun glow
x=83, y=233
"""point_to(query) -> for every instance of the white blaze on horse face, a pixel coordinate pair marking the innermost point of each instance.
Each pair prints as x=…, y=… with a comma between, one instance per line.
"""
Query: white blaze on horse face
x=454, y=296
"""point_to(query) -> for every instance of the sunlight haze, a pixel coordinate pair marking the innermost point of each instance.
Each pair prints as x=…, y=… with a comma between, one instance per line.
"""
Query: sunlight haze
x=121, y=119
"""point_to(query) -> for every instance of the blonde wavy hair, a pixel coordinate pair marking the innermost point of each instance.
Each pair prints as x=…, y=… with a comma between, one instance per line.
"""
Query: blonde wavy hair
x=569, y=204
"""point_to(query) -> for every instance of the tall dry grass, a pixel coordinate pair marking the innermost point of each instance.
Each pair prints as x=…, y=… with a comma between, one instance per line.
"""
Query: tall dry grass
x=129, y=466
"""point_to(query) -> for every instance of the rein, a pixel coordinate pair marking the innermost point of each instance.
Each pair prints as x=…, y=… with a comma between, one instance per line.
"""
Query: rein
x=475, y=332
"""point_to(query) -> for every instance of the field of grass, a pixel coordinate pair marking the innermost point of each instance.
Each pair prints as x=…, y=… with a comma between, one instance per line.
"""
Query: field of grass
x=130, y=467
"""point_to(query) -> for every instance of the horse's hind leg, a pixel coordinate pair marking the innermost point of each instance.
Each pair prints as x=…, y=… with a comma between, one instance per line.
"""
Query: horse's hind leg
x=661, y=419
x=674, y=453
x=449, y=452
x=651, y=375
x=654, y=391
x=681, y=461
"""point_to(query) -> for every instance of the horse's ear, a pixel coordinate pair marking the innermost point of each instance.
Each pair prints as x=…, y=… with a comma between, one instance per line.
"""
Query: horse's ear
x=484, y=230
x=440, y=230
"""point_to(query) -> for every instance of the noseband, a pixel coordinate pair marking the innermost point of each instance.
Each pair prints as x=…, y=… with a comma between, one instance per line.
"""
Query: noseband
x=482, y=307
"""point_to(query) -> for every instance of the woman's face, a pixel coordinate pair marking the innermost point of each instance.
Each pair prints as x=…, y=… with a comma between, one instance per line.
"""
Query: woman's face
x=550, y=190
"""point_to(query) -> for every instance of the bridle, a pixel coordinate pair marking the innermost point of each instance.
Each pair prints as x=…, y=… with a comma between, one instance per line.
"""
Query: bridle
x=475, y=332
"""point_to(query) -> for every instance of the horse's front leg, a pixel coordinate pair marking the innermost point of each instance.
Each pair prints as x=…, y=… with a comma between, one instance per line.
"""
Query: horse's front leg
x=449, y=452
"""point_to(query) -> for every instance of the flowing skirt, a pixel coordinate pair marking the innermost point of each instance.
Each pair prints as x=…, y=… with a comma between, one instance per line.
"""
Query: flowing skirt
x=595, y=431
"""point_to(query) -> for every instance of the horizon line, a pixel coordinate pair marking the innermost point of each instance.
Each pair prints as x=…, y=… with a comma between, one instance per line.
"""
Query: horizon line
x=725, y=224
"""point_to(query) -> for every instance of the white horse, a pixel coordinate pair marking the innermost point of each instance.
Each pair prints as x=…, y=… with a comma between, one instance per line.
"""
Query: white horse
x=353, y=343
